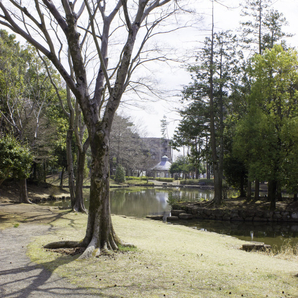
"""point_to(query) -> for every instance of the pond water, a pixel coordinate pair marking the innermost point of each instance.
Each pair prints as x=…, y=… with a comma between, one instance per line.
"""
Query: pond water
x=149, y=201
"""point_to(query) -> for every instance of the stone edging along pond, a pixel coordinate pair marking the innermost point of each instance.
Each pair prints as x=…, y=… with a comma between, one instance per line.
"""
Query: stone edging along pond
x=195, y=212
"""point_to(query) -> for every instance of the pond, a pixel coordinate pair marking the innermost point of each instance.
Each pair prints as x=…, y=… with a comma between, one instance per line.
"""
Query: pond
x=152, y=201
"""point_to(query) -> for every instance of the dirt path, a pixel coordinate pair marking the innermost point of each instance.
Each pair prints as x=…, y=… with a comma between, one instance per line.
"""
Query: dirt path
x=21, y=278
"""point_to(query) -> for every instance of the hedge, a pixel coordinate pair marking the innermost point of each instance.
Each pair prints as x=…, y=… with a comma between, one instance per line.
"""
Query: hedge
x=197, y=182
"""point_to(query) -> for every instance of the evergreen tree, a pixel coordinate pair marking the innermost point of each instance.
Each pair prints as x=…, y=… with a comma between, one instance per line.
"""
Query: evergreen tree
x=120, y=174
x=263, y=138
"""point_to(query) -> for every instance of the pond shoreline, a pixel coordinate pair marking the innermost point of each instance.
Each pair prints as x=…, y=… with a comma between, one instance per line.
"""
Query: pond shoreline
x=237, y=210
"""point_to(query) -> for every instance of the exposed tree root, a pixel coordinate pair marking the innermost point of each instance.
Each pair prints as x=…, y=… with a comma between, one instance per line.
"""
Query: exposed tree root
x=92, y=250
x=64, y=244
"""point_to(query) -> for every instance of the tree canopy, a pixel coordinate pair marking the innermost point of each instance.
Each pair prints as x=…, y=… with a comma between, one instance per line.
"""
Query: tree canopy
x=16, y=159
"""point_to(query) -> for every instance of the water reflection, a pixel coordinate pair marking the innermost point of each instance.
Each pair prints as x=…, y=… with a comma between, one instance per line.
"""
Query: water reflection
x=156, y=201
x=139, y=203
x=275, y=234
x=152, y=201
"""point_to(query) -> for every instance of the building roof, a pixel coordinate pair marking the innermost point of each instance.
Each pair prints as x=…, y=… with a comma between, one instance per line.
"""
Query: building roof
x=164, y=165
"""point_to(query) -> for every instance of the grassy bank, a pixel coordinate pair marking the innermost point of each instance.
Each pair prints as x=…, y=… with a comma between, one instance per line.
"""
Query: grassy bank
x=170, y=261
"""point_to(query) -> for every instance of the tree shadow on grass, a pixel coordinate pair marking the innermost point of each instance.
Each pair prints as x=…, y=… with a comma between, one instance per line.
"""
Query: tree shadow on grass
x=21, y=278
x=31, y=280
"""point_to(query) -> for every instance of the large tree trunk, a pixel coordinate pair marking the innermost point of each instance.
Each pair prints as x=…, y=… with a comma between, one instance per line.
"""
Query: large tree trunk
x=23, y=191
x=272, y=186
x=100, y=234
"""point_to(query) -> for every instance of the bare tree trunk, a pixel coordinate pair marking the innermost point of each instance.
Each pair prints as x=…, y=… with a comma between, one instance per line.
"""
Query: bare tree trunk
x=23, y=191
x=70, y=167
x=79, y=205
x=208, y=170
x=44, y=171
x=248, y=193
x=278, y=192
x=242, y=192
x=100, y=234
x=34, y=167
x=272, y=184
x=215, y=161
x=257, y=189
x=62, y=178
x=217, y=185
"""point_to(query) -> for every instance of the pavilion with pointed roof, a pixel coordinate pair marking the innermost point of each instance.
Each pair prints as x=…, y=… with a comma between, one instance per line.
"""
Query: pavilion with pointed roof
x=162, y=168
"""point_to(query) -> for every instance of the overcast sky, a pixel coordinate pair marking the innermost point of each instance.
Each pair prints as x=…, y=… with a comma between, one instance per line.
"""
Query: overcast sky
x=227, y=16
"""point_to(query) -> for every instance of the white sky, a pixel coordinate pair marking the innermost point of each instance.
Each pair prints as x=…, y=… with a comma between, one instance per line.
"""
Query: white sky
x=187, y=41
x=227, y=17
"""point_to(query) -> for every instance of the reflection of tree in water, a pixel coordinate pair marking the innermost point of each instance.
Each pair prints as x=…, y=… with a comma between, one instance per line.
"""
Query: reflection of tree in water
x=135, y=203
x=151, y=201
x=162, y=197
x=118, y=197
x=139, y=203
x=274, y=234
x=190, y=195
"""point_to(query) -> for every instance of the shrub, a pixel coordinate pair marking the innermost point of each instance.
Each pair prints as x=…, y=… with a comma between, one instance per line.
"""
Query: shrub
x=165, y=179
x=143, y=178
x=120, y=174
x=197, y=182
x=15, y=159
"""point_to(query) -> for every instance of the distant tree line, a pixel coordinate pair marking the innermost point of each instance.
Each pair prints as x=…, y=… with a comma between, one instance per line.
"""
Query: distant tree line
x=241, y=106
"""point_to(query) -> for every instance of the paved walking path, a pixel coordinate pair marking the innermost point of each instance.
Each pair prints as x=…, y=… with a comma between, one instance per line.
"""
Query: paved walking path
x=21, y=278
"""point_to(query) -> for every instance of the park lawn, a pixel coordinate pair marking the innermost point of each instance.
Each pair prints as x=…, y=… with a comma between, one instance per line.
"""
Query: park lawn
x=170, y=261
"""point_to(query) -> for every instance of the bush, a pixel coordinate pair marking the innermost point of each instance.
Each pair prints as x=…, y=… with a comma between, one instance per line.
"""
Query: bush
x=209, y=182
x=164, y=179
x=15, y=159
x=143, y=178
x=120, y=174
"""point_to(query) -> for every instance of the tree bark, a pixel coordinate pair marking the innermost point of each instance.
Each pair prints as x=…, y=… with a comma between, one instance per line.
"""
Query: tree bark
x=272, y=186
x=217, y=185
x=215, y=160
x=70, y=166
x=278, y=192
x=248, y=193
x=100, y=235
x=208, y=170
x=242, y=191
x=79, y=205
x=62, y=178
x=257, y=189
x=23, y=191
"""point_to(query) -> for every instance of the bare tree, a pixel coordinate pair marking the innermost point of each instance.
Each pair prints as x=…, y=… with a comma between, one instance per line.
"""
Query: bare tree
x=50, y=25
